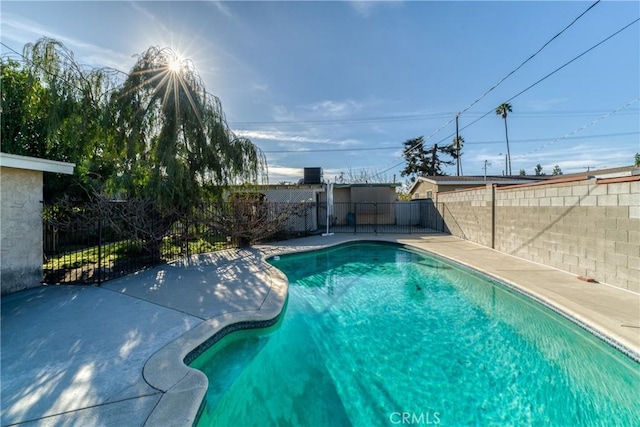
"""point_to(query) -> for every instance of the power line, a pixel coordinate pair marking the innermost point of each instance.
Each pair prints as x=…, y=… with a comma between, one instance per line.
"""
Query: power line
x=396, y=147
x=515, y=96
x=577, y=57
x=530, y=57
x=346, y=121
x=546, y=77
x=567, y=136
x=410, y=117
x=558, y=139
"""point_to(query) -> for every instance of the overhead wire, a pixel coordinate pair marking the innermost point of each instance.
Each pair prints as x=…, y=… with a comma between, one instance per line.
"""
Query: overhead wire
x=437, y=115
x=573, y=132
x=395, y=147
x=506, y=77
x=529, y=58
x=518, y=94
x=546, y=77
x=420, y=116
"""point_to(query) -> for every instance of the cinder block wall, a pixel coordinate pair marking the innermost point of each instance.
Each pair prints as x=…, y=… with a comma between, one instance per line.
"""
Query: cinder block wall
x=468, y=213
x=587, y=227
x=21, y=229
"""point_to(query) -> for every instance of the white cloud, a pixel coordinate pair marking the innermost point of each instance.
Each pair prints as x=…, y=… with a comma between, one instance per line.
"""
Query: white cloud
x=280, y=113
x=571, y=159
x=223, y=7
x=362, y=8
x=545, y=104
x=23, y=31
x=365, y=8
x=576, y=160
x=294, y=137
x=279, y=136
x=317, y=110
x=260, y=87
x=334, y=108
x=282, y=173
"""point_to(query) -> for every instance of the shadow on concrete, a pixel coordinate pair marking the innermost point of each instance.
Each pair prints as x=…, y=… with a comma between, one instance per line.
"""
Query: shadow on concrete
x=62, y=345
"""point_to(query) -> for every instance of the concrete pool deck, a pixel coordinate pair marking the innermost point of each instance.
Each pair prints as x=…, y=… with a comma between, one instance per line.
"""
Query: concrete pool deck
x=112, y=355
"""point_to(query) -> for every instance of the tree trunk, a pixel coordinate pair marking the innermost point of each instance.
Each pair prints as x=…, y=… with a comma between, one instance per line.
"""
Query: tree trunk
x=506, y=133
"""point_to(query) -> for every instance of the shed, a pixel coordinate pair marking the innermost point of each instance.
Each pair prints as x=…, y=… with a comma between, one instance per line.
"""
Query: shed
x=371, y=202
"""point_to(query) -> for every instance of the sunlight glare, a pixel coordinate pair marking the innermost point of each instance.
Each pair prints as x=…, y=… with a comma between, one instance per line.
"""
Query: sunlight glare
x=175, y=65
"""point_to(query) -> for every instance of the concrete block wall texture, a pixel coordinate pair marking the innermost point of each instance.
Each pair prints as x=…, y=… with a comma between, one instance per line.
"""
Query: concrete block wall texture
x=584, y=226
x=468, y=214
x=21, y=222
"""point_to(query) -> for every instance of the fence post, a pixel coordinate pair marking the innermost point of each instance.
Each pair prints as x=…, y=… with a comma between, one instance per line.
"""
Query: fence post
x=186, y=235
x=375, y=217
x=493, y=215
x=355, y=218
x=99, y=249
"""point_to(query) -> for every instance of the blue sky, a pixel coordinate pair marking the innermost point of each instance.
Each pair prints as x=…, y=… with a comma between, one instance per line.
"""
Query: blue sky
x=341, y=85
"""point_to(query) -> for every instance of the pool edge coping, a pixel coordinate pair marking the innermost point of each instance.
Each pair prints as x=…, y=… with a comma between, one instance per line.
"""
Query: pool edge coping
x=608, y=337
x=184, y=390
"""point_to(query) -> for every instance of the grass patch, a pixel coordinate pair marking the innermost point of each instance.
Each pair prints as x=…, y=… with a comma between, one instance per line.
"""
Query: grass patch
x=121, y=252
x=110, y=252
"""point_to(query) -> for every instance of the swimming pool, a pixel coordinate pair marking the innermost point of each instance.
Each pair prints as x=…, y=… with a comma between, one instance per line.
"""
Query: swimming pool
x=378, y=334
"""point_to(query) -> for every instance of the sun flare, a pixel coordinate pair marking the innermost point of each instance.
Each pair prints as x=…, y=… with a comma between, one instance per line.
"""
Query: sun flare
x=176, y=64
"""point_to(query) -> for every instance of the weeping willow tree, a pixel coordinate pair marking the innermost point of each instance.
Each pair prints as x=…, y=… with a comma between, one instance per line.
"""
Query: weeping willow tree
x=55, y=108
x=173, y=139
x=173, y=143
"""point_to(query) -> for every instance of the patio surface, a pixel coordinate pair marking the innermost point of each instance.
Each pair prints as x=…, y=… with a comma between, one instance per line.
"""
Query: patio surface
x=111, y=355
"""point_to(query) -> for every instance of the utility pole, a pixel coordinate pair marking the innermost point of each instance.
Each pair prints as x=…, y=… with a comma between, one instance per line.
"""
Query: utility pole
x=457, y=148
x=506, y=163
x=486, y=163
x=434, y=158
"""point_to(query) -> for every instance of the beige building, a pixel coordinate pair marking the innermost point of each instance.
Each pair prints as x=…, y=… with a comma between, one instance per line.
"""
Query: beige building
x=363, y=203
x=21, y=251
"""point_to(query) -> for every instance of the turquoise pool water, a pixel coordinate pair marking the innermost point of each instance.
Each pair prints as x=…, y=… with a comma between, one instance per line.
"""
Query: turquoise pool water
x=378, y=335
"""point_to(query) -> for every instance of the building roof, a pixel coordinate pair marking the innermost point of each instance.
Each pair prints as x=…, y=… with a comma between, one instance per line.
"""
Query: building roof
x=478, y=180
x=291, y=186
x=608, y=173
x=372, y=184
x=440, y=179
x=524, y=179
x=35, y=164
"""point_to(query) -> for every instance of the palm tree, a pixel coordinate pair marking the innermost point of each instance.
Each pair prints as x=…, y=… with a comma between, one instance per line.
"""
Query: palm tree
x=456, y=146
x=503, y=110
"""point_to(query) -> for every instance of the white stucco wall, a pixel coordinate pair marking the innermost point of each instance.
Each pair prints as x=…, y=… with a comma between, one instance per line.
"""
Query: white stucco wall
x=21, y=229
x=21, y=219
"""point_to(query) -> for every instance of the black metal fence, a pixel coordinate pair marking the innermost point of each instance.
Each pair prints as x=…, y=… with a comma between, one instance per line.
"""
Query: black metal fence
x=97, y=242
x=381, y=217
x=92, y=244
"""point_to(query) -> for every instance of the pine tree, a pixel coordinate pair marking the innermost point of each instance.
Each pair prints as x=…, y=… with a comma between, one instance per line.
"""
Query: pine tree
x=423, y=160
